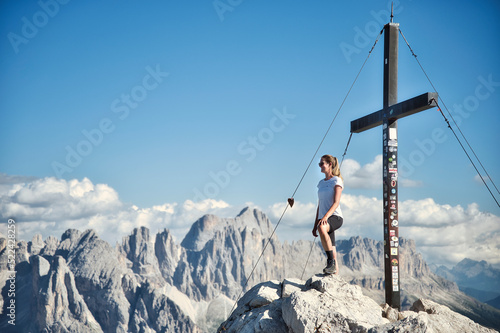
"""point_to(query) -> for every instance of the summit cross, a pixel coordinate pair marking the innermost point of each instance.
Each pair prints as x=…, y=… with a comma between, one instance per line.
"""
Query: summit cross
x=387, y=117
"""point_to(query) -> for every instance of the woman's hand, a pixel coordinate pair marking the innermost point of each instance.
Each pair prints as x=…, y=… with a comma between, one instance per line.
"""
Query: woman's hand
x=315, y=229
x=323, y=221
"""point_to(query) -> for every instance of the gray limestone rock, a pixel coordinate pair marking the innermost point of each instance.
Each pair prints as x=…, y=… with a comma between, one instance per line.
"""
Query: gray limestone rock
x=155, y=312
x=36, y=245
x=264, y=319
x=330, y=304
x=260, y=295
x=325, y=304
x=60, y=306
x=98, y=277
x=205, y=229
x=291, y=285
x=390, y=313
x=69, y=239
x=168, y=254
x=121, y=298
x=22, y=254
x=3, y=242
x=51, y=245
x=139, y=250
x=430, y=317
x=259, y=310
x=361, y=263
x=3, y=253
x=220, y=254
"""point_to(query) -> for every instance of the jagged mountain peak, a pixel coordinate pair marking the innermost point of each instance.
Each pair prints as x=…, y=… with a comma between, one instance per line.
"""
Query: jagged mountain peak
x=202, y=231
x=244, y=211
x=478, y=278
x=72, y=239
x=253, y=218
x=139, y=249
x=142, y=232
x=470, y=268
x=205, y=228
x=358, y=241
x=70, y=234
x=135, y=242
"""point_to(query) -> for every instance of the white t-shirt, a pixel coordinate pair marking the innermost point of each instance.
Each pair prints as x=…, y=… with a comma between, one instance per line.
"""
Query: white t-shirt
x=326, y=190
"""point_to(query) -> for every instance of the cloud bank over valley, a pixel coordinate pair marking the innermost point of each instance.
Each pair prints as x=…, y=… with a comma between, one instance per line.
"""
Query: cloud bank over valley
x=444, y=234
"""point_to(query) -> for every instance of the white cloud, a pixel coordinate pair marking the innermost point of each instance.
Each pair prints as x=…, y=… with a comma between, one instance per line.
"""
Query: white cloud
x=444, y=234
x=366, y=176
x=50, y=206
x=477, y=178
x=300, y=215
x=447, y=234
x=369, y=176
x=57, y=199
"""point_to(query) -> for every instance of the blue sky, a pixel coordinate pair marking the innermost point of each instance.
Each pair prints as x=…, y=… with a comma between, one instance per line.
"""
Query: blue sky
x=230, y=99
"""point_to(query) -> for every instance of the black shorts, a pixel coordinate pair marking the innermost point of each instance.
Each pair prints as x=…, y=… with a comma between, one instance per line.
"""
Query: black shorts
x=335, y=222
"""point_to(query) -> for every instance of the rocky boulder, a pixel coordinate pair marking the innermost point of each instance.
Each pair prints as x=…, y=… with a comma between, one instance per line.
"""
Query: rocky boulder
x=322, y=304
x=430, y=317
x=330, y=304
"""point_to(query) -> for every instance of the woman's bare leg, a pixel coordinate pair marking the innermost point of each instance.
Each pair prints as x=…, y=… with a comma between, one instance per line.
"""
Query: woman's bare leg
x=325, y=237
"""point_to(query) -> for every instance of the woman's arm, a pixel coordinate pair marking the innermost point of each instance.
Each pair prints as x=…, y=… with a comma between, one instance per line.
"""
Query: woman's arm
x=336, y=201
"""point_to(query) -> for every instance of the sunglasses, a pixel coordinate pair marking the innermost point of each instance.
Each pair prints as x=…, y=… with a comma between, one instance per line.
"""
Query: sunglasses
x=321, y=164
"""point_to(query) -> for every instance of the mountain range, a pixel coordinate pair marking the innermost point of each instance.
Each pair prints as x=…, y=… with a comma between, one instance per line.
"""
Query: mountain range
x=475, y=278
x=150, y=283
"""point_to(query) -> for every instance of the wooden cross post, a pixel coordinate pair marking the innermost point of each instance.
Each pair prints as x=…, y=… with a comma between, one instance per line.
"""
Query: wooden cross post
x=387, y=117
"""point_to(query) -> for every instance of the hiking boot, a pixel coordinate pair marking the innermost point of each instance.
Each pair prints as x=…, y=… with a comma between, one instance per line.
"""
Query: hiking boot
x=330, y=267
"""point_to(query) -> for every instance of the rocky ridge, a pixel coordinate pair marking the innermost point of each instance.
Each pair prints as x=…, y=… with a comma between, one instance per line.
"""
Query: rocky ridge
x=330, y=304
x=84, y=285
x=151, y=283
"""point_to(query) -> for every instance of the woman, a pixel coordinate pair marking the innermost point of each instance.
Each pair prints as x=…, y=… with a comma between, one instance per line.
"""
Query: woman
x=328, y=215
